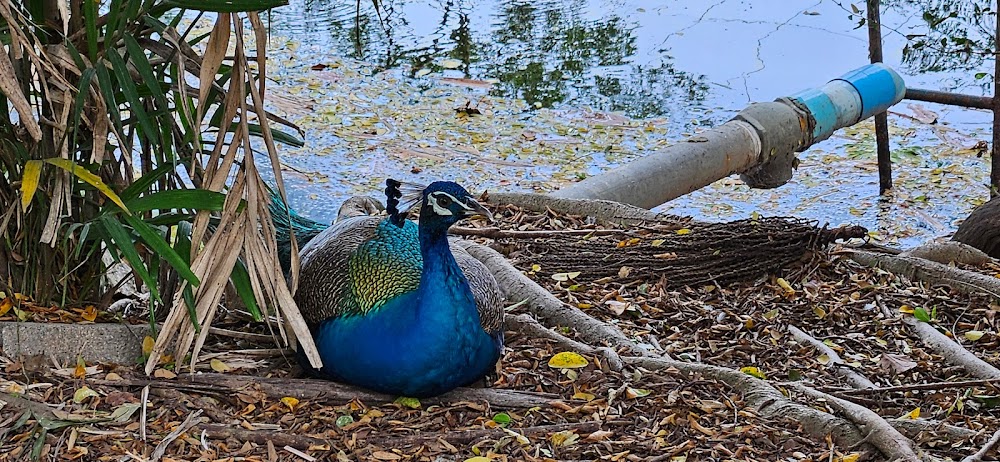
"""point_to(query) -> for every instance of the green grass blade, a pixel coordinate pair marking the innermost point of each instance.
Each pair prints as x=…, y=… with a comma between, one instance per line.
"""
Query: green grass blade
x=279, y=135
x=241, y=282
x=195, y=199
x=123, y=243
x=138, y=58
x=156, y=242
x=146, y=125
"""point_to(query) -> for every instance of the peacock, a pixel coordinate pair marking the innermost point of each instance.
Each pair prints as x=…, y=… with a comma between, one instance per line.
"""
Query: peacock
x=392, y=305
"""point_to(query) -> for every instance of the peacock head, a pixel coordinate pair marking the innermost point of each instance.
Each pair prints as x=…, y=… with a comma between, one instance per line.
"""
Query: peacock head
x=444, y=203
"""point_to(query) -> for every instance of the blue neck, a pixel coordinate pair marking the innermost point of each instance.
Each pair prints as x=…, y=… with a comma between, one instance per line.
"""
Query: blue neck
x=440, y=267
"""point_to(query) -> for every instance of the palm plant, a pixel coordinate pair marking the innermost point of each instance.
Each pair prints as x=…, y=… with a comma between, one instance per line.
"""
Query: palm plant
x=131, y=134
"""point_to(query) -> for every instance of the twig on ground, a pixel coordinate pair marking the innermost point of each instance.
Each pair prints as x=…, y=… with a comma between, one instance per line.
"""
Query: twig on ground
x=468, y=437
x=990, y=444
x=840, y=368
x=161, y=448
x=261, y=436
x=917, y=386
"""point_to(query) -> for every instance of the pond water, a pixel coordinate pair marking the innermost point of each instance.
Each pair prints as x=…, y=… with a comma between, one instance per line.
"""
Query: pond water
x=529, y=95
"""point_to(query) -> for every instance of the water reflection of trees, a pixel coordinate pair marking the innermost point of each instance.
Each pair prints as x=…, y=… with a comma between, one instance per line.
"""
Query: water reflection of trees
x=956, y=35
x=543, y=51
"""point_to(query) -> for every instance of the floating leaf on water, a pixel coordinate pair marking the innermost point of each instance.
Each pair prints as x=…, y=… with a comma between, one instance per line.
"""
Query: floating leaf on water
x=568, y=360
x=422, y=72
x=450, y=63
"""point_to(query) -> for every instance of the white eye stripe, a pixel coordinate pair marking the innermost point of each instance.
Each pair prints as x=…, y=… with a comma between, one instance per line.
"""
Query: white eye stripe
x=444, y=211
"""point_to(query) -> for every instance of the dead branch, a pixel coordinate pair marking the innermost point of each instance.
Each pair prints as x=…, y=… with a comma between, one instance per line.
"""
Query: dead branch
x=840, y=368
x=544, y=305
x=217, y=431
x=951, y=351
x=161, y=448
x=327, y=391
x=887, y=439
x=990, y=444
x=527, y=325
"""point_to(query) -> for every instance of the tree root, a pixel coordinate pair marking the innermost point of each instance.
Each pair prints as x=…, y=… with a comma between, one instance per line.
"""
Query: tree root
x=602, y=210
x=990, y=444
x=527, y=325
x=840, y=368
x=949, y=252
x=950, y=350
x=928, y=271
x=881, y=434
x=544, y=305
x=327, y=391
x=913, y=428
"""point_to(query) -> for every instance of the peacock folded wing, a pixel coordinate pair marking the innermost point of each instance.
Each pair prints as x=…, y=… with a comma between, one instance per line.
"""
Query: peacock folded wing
x=356, y=266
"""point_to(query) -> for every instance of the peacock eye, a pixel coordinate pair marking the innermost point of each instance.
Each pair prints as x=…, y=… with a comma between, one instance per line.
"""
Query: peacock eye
x=444, y=201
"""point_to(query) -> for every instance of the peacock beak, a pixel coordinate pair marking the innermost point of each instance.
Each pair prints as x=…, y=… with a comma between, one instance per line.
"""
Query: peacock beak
x=474, y=208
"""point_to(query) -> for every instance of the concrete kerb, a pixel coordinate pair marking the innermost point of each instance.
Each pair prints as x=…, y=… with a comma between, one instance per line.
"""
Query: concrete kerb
x=95, y=343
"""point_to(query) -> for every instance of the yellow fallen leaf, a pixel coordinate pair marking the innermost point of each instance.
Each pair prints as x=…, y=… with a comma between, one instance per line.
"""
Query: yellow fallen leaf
x=89, y=313
x=536, y=268
x=914, y=414
x=852, y=457
x=584, y=396
x=636, y=392
x=823, y=359
x=974, y=335
x=657, y=242
x=683, y=231
x=568, y=360
x=478, y=459
x=770, y=315
x=565, y=276
x=906, y=309
x=111, y=377
x=219, y=366
x=6, y=305
x=164, y=374
x=786, y=287
x=412, y=403
x=819, y=312
x=147, y=345
x=80, y=371
x=564, y=438
x=290, y=401
x=83, y=393
x=753, y=371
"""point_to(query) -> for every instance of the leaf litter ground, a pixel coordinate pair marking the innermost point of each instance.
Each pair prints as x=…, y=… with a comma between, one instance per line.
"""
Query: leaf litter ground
x=588, y=413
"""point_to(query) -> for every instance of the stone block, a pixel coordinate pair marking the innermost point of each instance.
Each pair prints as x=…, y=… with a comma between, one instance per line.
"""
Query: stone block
x=95, y=343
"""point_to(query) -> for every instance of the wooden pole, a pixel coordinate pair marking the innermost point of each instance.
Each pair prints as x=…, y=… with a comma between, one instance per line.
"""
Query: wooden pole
x=881, y=120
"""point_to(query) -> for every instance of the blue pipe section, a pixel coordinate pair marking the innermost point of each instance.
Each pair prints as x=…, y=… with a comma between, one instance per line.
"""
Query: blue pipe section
x=849, y=99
